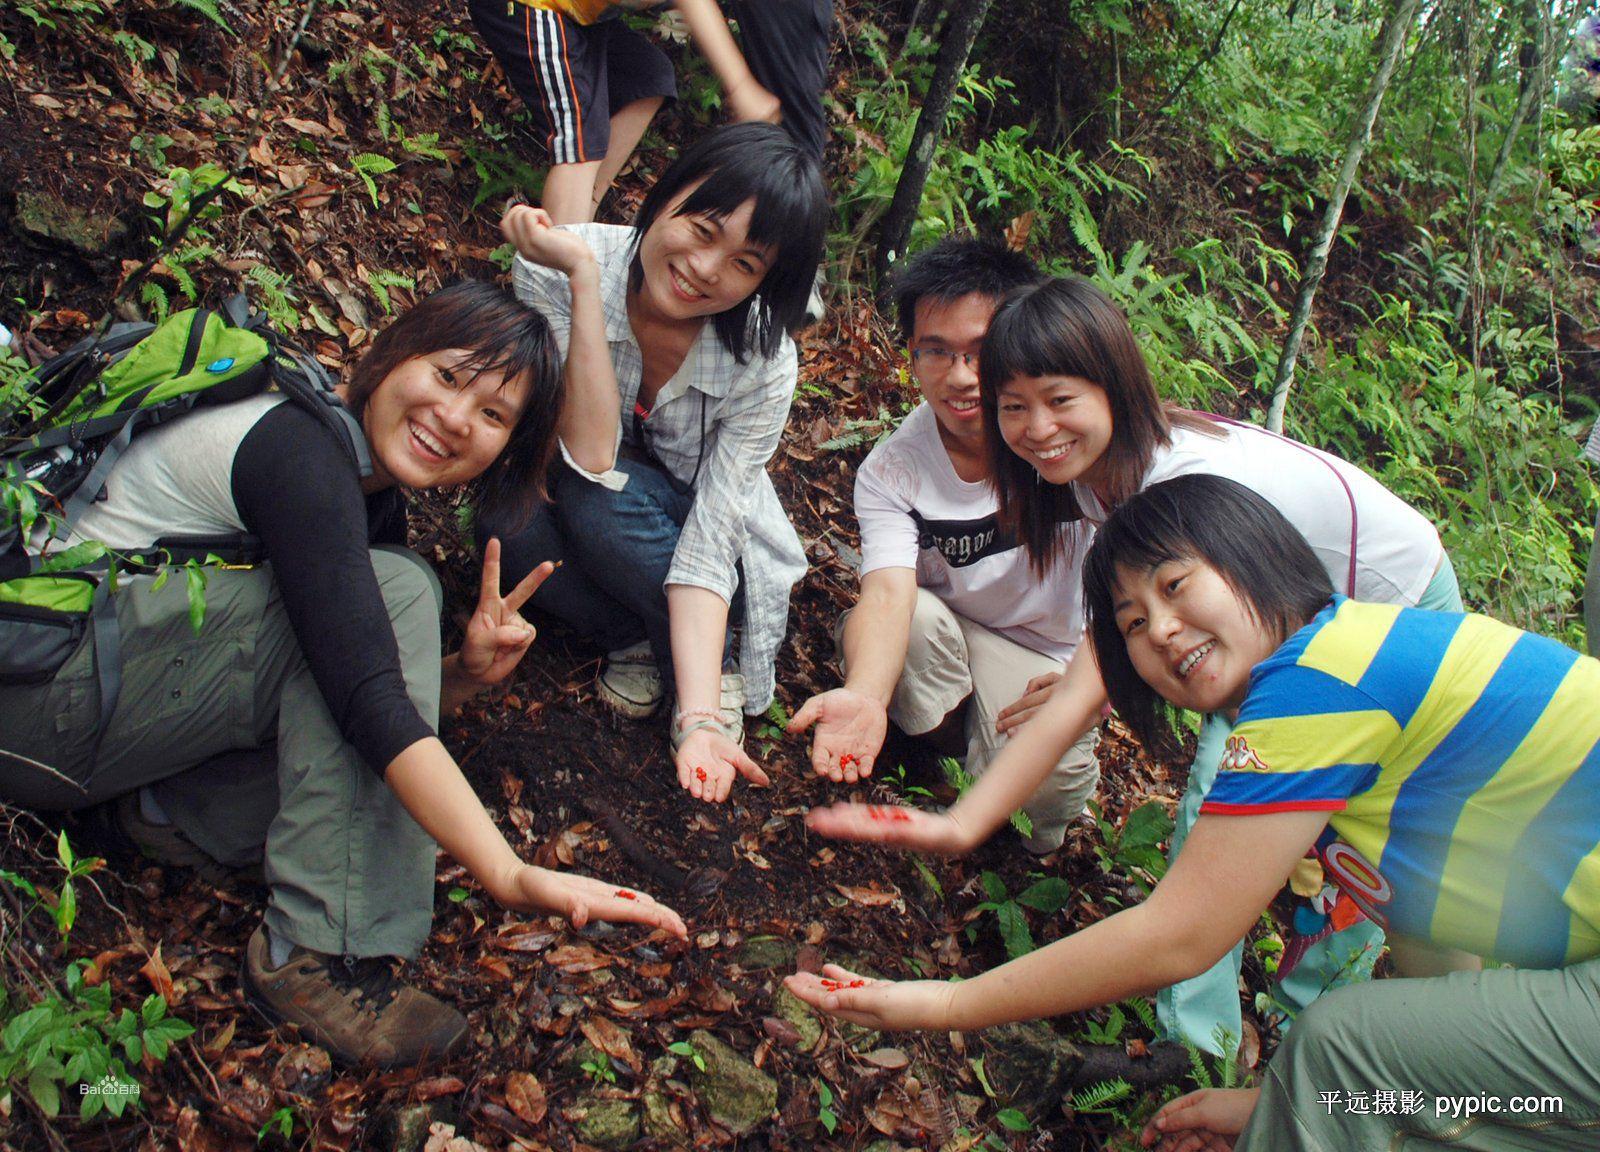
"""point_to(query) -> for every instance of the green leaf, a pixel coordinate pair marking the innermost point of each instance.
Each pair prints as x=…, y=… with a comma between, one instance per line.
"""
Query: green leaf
x=1014, y=1120
x=1147, y=825
x=66, y=909
x=77, y=556
x=457, y=895
x=993, y=886
x=20, y=1030
x=1049, y=895
x=1014, y=930
x=194, y=577
x=64, y=850
x=153, y=1008
x=46, y=1094
x=20, y=883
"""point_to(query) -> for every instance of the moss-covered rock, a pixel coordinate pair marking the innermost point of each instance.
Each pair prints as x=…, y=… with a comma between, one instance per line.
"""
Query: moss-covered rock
x=1028, y=1066
x=761, y=953
x=787, y=1006
x=733, y=1091
x=660, y=1123
x=52, y=219
x=609, y=1124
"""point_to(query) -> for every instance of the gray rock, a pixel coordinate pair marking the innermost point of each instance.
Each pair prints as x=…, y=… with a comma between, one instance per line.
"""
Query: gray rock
x=1028, y=1066
x=42, y=215
x=735, y=1093
x=610, y=1124
x=787, y=1006
x=659, y=1121
x=761, y=953
x=405, y=1129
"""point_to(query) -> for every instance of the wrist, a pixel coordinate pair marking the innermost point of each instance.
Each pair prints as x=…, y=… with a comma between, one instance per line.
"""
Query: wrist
x=584, y=272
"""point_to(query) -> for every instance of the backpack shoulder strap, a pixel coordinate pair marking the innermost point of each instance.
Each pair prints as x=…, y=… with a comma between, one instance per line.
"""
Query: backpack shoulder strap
x=309, y=385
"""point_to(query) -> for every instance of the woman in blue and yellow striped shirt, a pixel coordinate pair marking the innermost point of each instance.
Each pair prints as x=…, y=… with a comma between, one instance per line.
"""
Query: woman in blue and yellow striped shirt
x=1440, y=770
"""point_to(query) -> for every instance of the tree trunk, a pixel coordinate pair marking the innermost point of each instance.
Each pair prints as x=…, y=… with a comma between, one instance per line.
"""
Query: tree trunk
x=960, y=30
x=1391, y=39
x=1537, y=53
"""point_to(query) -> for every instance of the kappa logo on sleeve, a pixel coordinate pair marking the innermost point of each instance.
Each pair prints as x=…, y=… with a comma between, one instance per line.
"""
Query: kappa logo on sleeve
x=1238, y=756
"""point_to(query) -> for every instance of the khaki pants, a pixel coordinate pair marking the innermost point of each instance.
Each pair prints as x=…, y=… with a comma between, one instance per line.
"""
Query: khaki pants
x=231, y=732
x=950, y=660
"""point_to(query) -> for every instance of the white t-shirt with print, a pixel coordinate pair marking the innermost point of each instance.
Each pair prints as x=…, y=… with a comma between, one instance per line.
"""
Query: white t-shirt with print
x=1397, y=548
x=915, y=512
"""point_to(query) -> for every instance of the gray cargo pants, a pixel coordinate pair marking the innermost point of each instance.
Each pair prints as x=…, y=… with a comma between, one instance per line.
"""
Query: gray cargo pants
x=1502, y=1059
x=231, y=731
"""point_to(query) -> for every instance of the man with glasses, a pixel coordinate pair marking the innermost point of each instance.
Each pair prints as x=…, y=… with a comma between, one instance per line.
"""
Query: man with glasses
x=953, y=635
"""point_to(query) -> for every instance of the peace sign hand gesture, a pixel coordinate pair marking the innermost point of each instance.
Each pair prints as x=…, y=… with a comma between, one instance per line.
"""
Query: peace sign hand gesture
x=497, y=635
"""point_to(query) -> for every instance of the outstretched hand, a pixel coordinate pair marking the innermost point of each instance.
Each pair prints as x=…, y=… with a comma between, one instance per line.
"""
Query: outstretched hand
x=707, y=763
x=536, y=238
x=497, y=636
x=897, y=825
x=887, y=1005
x=850, y=731
x=583, y=898
x=1205, y=1121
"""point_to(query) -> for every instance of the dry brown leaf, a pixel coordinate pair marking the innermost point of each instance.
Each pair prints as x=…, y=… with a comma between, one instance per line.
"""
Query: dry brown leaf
x=442, y=1138
x=223, y=1038
x=155, y=971
x=525, y=1096
x=610, y=1038
x=870, y=896
x=495, y=966
x=309, y=127
x=40, y=100
x=892, y=1059
x=524, y=938
x=781, y=1030
x=438, y=1086
x=1249, y=1046
x=578, y=958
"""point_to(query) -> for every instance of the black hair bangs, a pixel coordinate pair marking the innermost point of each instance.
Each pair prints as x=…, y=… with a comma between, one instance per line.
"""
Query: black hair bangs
x=724, y=169
x=1221, y=523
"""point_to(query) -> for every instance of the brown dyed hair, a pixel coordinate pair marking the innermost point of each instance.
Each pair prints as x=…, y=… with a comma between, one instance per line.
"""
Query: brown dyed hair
x=1068, y=327
x=504, y=336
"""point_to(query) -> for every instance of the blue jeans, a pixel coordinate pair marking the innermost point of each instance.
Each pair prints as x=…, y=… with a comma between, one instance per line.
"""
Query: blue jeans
x=1204, y=1009
x=616, y=549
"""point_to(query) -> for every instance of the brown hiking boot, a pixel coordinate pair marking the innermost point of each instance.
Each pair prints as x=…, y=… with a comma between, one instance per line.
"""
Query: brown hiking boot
x=358, y=1009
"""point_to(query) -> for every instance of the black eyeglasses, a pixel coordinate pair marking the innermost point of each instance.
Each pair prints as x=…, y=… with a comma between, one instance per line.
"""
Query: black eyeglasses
x=940, y=361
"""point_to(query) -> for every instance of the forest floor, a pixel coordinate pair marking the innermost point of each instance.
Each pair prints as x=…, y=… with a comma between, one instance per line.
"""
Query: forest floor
x=571, y=785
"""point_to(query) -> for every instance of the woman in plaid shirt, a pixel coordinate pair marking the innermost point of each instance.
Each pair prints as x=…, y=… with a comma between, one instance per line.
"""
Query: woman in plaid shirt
x=680, y=369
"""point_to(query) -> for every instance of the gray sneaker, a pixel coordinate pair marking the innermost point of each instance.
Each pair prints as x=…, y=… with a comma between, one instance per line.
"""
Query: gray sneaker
x=630, y=682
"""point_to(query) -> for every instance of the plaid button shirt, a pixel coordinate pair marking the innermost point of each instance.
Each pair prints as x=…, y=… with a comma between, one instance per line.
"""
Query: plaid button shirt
x=742, y=408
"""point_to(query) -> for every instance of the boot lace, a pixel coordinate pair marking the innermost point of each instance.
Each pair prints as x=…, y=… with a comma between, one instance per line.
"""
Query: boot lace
x=374, y=979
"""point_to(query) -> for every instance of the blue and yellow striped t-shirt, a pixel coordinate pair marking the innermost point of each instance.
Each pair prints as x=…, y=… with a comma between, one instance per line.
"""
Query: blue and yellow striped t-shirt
x=1460, y=759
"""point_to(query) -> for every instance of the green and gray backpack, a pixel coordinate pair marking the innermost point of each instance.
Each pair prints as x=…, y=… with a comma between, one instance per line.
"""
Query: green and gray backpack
x=58, y=447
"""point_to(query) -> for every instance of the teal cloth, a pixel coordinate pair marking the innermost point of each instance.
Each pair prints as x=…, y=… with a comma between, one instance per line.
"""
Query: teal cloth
x=1205, y=1010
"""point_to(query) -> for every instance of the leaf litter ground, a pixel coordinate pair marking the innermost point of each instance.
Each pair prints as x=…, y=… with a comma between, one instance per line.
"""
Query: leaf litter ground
x=570, y=785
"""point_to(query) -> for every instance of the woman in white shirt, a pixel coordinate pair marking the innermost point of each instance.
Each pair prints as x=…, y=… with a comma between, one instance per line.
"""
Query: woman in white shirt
x=678, y=388
x=1082, y=429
